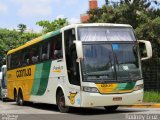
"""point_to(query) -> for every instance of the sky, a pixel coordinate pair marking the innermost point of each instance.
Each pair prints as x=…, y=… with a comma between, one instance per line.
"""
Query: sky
x=28, y=12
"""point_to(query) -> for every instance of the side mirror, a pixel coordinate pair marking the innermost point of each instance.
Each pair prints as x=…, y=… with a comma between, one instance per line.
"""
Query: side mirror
x=79, y=49
x=145, y=49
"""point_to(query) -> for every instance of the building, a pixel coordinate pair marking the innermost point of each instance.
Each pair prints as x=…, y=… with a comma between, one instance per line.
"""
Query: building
x=93, y=4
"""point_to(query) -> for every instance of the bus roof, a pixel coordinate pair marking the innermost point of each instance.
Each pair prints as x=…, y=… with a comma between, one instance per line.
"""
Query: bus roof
x=53, y=33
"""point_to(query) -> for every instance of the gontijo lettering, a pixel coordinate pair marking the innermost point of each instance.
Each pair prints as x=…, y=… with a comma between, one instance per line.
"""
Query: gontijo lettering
x=23, y=72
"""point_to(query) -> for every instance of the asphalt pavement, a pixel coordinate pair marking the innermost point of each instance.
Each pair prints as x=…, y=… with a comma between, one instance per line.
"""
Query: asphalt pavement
x=11, y=111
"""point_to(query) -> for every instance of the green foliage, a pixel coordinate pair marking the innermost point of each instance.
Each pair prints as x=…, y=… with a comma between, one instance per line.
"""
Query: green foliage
x=151, y=31
x=151, y=96
x=53, y=25
x=10, y=39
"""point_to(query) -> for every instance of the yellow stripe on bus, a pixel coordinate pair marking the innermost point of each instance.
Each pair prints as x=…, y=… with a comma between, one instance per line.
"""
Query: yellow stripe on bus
x=21, y=78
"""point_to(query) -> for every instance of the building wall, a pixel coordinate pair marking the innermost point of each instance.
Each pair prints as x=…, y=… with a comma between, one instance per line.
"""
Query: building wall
x=93, y=4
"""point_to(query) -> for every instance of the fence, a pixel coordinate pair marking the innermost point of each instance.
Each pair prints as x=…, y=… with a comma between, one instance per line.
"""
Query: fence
x=151, y=74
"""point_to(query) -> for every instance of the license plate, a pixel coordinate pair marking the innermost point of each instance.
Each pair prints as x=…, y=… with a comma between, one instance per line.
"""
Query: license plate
x=117, y=99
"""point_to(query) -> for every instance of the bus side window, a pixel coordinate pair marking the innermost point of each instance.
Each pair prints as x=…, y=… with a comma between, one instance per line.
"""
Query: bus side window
x=56, y=47
x=34, y=54
x=14, y=61
x=45, y=51
x=25, y=57
x=9, y=62
x=19, y=59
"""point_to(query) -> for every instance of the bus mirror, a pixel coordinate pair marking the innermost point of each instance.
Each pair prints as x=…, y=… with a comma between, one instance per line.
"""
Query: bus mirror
x=145, y=49
x=79, y=49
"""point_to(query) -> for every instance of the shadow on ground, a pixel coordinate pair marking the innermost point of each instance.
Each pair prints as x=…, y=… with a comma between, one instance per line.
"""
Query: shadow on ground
x=81, y=111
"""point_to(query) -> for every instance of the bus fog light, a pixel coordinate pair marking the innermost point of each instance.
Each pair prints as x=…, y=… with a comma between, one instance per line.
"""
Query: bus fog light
x=138, y=87
x=90, y=89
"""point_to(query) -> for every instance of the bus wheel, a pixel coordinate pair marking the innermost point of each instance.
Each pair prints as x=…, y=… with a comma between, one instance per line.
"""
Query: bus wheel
x=111, y=108
x=20, y=100
x=61, y=103
x=15, y=96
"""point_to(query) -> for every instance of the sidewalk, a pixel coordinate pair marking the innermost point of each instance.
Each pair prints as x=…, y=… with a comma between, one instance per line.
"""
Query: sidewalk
x=144, y=105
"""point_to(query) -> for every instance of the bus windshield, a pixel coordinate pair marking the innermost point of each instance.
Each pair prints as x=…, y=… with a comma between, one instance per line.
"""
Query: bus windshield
x=110, y=60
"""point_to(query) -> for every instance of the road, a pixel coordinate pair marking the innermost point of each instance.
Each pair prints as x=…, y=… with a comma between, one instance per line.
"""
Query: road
x=11, y=111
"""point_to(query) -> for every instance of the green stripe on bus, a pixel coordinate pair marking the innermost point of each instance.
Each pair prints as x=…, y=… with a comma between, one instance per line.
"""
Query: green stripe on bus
x=48, y=35
x=126, y=86
x=44, y=78
x=37, y=78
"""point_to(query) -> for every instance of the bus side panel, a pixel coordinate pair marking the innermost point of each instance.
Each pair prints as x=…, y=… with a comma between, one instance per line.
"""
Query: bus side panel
x=21, y=78
x=48, y=76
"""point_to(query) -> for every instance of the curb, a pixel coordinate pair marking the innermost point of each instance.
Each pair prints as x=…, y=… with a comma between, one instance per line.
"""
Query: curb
x=152, y=105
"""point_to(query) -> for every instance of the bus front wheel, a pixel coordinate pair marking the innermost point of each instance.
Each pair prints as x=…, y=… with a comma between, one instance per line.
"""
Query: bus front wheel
x=111, y=108
x=61, y=103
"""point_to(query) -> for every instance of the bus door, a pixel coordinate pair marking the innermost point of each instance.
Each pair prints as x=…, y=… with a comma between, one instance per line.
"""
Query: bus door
x=73, y=72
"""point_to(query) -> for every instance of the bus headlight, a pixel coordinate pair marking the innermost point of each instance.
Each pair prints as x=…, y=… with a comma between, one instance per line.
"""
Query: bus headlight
x=90, y=89
x=138, y=87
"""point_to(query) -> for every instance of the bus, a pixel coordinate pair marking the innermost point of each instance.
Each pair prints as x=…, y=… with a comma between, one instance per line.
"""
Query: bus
x=80, y=65
x=3, y=84
x=0, y=83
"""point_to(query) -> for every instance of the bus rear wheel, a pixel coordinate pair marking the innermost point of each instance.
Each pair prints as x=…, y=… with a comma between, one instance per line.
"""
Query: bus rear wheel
x=20, y=100
x=61, y=103
x=111, y=108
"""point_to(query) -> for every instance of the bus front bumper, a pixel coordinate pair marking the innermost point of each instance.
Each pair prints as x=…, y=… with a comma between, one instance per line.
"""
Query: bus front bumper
x=97, y=99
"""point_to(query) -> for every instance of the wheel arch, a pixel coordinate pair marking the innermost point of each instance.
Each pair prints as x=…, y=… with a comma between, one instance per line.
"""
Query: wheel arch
x=59, y=88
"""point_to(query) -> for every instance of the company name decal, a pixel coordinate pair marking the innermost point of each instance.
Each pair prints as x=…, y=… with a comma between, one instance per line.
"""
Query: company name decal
x=23, y=73
x=57, y=68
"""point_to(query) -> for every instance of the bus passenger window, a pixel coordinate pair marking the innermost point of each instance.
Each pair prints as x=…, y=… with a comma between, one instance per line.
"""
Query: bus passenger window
x=9, y=62
x=44, y=51
x=19, y=61
x=58, y=51
x=33, y=55
x=56, y=47
x=25, y=57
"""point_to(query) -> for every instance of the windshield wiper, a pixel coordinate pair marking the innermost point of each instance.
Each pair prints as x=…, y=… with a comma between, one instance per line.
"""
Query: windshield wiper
x=120, y=66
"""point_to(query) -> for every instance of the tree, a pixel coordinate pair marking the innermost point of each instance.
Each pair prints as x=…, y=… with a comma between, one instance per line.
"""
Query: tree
x=10, y=39
x=53, y=25
x=22, y=28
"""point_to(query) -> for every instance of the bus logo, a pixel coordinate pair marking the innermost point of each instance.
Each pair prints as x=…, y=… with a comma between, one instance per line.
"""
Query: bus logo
x=72, y=97
x=23, y=73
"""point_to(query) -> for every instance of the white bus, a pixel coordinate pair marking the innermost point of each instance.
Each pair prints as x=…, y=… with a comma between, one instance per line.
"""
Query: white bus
x=3, y=84
x=80, y=65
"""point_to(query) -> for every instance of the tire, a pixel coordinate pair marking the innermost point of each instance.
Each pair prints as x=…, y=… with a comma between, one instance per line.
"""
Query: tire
x=20, y=100
x=111, y=108
x=15, y=96
x=61, y=103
